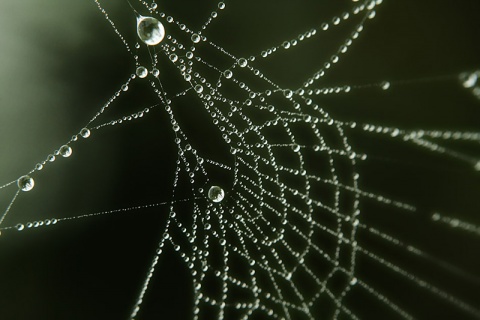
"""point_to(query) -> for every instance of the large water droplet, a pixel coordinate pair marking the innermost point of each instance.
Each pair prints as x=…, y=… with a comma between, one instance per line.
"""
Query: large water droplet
x=25, y=183
x=150, y=30
x=216, y=194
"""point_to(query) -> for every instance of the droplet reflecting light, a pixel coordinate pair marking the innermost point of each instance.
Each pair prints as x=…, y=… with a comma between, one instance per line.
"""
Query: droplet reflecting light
x=25, y=183
x=150, y=30
x=216, y=194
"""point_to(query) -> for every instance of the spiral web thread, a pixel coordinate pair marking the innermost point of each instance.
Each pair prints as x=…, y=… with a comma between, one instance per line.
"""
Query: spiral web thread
x=293, y=202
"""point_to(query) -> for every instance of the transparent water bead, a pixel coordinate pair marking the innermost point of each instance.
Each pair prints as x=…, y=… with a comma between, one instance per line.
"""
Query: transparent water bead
x=85, y=133
x=288, y=94
x=25, y=183
x=150, y=30
x=155, y=72
x=216, y=194
x=385, y=85
x=228, y=74
x=242, y=62
x=196, y=38
x=65, y=151
x=469, y=80
x=141, y=72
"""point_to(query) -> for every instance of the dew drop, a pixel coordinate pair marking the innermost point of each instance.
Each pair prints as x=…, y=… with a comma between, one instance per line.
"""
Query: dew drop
x=385, y=85
x=155, y=72
x=20, y=227
x=196, y=38
x=468, y=79
x=124, y=87
x=296, y=147
x=173, y=57
x=199, y=88
x=141, y=72
x=353, y=281
x=216, y=194
x=85, y=133
x=39, y=167
x=228, y=74
x=242, y=62
x=25, y=183
x=65, y=151
x=150, y=30
x=288, y=93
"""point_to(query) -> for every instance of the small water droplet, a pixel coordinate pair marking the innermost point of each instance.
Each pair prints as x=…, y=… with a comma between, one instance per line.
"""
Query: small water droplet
x=469, y=79
x=199, y=88
x=141, y=72
x=173, y=57
x=385, y=85
x=242, y=62
x=20, y=227
x=228, y=74
x=196, y=38
x=85, y=133
x=66, y=151
x=155, y=72
x=25, y=183
x=216, y=194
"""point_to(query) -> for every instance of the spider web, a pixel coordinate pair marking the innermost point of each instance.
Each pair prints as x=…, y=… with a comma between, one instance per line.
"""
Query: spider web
x=304, y=231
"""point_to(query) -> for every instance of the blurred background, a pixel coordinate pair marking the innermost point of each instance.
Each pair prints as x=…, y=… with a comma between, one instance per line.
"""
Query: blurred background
x=61, y=61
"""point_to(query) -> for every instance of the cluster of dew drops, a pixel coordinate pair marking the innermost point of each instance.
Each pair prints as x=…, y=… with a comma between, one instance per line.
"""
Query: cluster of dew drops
x=152, y=32
x=26, y=183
